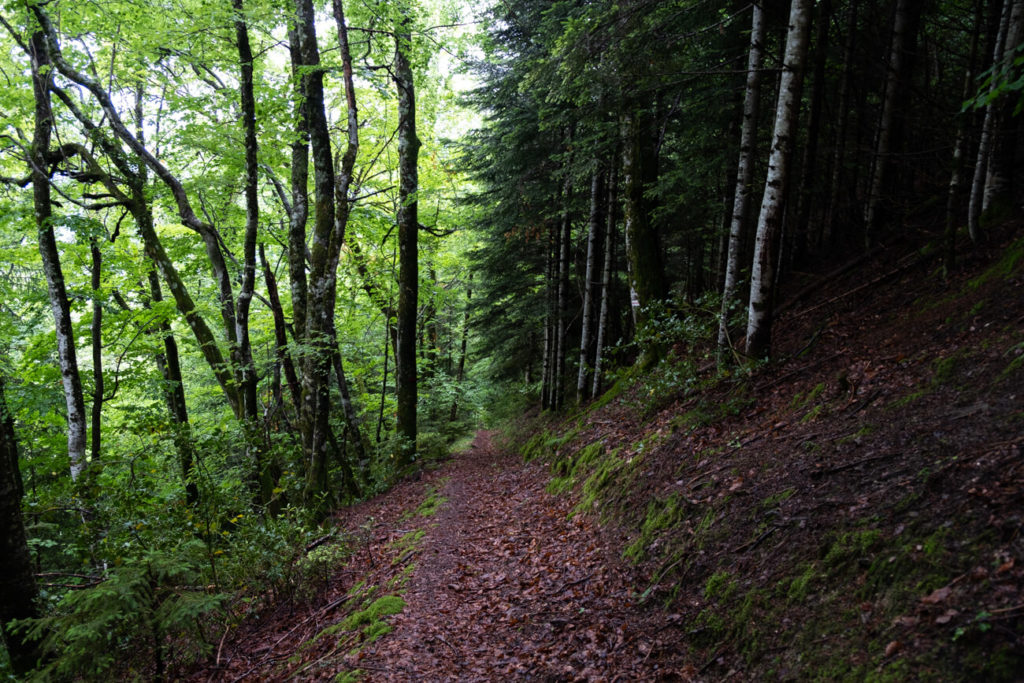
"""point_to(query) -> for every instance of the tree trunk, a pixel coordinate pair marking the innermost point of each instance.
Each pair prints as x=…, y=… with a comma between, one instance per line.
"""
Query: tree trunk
x=975, y=204
x=170, y=368
x=563, y=298
x=646, y=271
x=762, y=284
x=320, y=305
x=18, y=590
x=460, y=373
x=549, y=288
x=96, y=333
x=263, y=484
x=960, y=146
x=744, y=180
x=299, y=190
x=280, y=331
x=606, y=280
x=408, y=228
x=72, y=382
x=593, y=230
x=999, y=175
x=809, y=167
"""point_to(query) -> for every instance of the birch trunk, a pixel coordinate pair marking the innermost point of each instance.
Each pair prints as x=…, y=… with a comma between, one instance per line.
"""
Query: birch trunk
x=762, y=284
x=744, y=179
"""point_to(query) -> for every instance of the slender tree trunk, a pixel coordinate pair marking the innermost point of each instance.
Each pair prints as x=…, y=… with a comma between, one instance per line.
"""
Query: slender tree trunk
x=974, y=206
x=299, y=189
x=96, y=333
x=548, y=317
x=70, y=378
x=18, y=590
x=593, y=231
x=606, y=280
x=280, y=331
x=762, y=283
x=999, y=175
x=960, y=146
x=408, y=228
x=744, y=180
x=262, y=481
x=809, y=167
x=563, y=298
x=460, y=373
x=174, y=388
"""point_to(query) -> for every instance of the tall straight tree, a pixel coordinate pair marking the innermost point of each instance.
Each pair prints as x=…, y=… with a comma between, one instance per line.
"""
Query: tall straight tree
x=593, y=230
x=263, y=484
x=408, y=233
x=606, y=278
x=744, y=177
x=769, y=224
x=42, y=76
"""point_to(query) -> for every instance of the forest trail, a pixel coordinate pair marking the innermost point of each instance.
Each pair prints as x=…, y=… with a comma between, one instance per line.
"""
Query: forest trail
x=499, y=581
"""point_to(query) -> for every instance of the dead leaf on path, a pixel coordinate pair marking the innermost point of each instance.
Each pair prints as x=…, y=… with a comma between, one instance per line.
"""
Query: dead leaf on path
x=936, y=596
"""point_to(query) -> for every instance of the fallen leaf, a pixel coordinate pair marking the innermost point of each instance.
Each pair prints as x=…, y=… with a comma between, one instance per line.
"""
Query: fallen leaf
x=936, y=596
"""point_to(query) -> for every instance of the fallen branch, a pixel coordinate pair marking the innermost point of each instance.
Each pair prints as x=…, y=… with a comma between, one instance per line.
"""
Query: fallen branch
x=569, y=585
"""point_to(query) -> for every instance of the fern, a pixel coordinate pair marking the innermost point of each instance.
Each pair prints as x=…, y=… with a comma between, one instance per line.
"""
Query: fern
x=144, y=615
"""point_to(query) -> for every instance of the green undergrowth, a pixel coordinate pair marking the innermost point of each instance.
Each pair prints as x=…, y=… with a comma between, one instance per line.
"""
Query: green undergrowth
x=363, y=618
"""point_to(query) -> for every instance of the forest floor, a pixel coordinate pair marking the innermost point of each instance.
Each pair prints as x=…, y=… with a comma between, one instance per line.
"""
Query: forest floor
x=853, y=510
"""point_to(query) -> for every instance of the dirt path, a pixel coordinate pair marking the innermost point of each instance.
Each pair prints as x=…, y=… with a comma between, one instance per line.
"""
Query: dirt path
x=499, y=583
x=507, y=586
